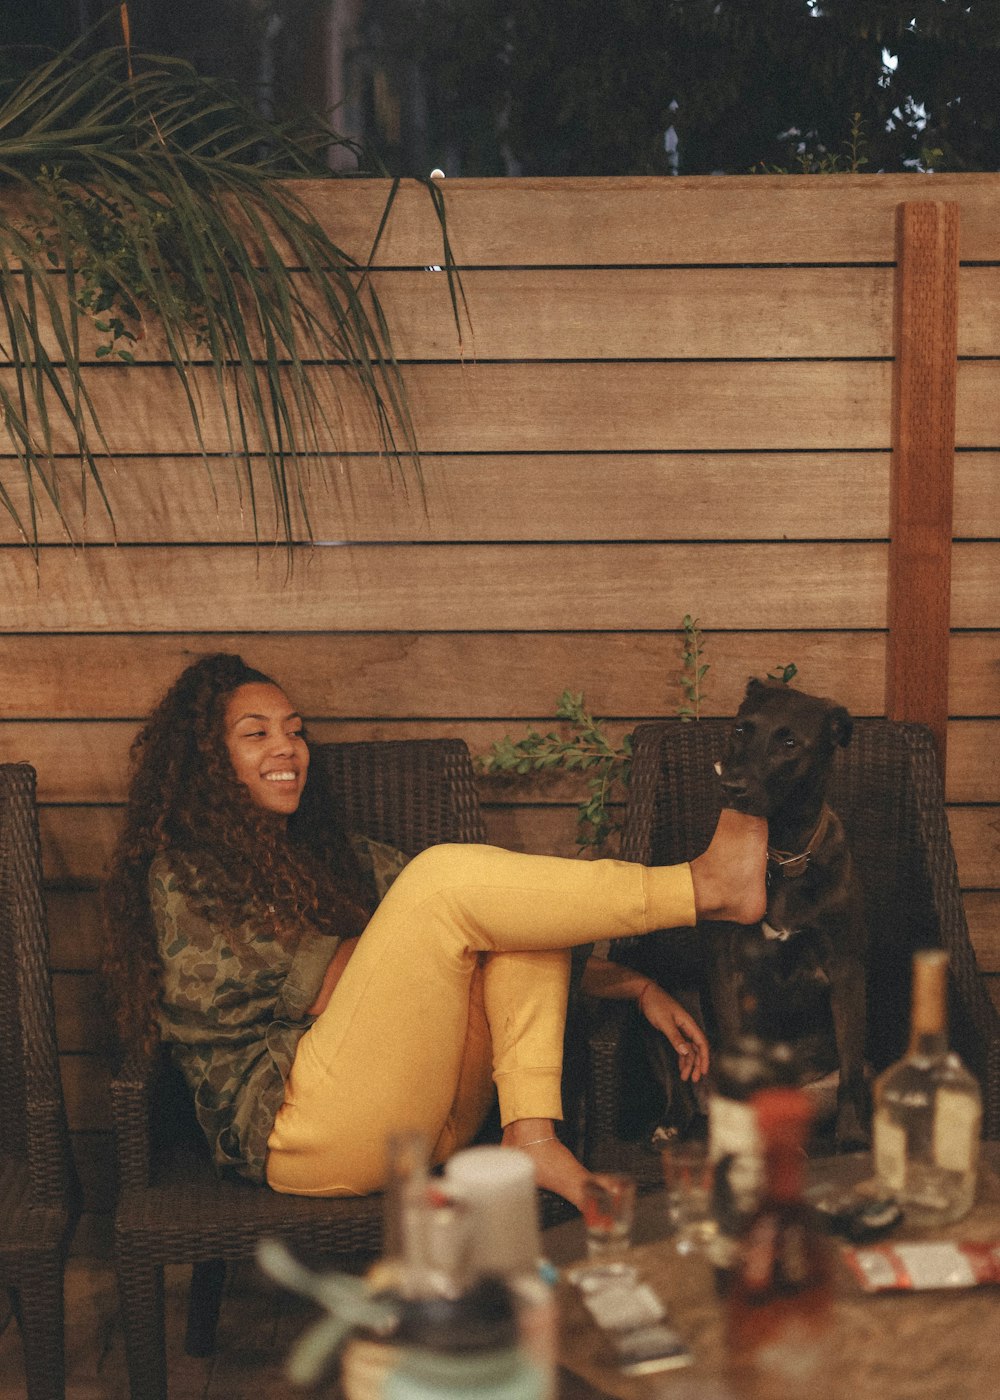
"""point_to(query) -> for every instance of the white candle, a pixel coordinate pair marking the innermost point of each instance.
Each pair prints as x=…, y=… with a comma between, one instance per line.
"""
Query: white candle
x=499, y=1185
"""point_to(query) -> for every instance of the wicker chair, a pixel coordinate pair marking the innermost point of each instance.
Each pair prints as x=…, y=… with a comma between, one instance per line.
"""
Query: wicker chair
x=39, y=1198
x=887, y=789
x=172, y=1206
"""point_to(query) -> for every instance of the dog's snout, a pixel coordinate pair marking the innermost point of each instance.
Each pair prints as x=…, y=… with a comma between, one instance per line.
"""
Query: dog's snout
x=735, y=787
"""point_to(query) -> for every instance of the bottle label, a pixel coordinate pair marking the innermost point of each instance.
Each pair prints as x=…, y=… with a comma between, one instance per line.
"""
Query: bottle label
x=732, y=1129
x=890, y=1153
x=956, y=1130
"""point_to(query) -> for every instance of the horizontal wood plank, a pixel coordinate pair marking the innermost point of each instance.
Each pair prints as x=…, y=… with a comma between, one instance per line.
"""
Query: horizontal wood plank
x=87, y=761
x=835, y=495
x=472, y=587
x=982, y=909
x=618, y=220
x=402, y=675
x=615, y=220
x=469, y=587
x=975, y=835
x=977, y=408
x=548, y=407
x=563, y=496
x=973, y=767
x=523, y=313
x=976, y=507
x=343, y=675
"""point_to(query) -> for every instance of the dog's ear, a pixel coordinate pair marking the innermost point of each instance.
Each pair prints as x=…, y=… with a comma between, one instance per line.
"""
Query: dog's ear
x=839, y=726
x=754, y=686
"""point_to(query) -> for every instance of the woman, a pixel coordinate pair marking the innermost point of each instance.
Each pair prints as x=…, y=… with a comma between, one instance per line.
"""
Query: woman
x=318, y=995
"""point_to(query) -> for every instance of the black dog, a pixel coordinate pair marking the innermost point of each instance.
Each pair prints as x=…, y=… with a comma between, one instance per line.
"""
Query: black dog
x=777, y=765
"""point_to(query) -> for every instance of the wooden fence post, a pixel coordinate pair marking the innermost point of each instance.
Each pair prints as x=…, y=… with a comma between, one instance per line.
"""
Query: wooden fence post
x=923, y=462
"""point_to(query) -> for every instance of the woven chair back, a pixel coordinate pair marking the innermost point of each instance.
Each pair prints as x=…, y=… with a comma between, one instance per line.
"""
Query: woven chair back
x=31, y=1099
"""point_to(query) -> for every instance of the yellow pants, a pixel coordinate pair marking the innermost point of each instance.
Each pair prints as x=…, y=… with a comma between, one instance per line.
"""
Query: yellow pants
x=463, y=970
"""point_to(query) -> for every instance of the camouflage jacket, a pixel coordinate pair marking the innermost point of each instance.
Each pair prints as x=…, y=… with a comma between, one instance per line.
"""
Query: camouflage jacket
x=233, y=1013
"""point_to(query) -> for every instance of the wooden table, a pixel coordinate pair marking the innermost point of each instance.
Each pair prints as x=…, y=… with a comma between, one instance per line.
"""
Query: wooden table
x=942, y=1345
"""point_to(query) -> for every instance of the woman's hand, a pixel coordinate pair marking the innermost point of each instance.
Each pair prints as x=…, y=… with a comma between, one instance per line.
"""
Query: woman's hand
x=602, y=978
x=684, y=1033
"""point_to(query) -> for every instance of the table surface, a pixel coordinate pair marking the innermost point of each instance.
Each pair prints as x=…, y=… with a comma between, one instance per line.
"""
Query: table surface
x=934, y=1345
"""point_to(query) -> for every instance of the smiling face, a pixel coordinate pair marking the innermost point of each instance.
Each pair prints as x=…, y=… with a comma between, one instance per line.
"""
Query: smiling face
x=264, y=739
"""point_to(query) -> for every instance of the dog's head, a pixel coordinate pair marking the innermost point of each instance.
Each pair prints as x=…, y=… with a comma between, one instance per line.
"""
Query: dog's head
x=781, y=743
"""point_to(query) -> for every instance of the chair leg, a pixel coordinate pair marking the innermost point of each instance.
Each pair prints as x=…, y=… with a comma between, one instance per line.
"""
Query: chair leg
x=140, y=1296
x=39, y=1308
x=208, y=1278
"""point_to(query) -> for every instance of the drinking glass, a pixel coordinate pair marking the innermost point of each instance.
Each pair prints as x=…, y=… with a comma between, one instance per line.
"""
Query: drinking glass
x=687, y=1174
x=608, y=1213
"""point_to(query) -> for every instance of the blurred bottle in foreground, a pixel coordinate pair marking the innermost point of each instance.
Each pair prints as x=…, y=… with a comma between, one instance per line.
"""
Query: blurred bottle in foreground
x=756, y=1059
x=463, y=1348
x=778, y=1299
x=928, y=1110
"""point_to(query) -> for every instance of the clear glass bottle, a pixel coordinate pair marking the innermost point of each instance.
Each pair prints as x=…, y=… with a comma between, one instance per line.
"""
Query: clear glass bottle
x=778, y=1300
x=928, y=1110
x=755, y=1060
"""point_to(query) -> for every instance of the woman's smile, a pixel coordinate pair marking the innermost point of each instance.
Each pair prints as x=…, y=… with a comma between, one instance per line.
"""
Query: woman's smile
x=266, y=746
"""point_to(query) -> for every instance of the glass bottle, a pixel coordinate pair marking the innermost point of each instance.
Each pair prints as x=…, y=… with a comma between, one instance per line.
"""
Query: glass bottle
x=928, y=1110
x=464, y=1347
x=755, y=1060
x=778, y=1300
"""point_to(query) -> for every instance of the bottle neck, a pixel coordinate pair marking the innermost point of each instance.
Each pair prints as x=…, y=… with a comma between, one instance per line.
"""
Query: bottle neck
x=929, y=1013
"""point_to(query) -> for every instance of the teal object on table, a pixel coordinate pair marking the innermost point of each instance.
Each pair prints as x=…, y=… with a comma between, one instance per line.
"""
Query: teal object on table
x=463, y=1347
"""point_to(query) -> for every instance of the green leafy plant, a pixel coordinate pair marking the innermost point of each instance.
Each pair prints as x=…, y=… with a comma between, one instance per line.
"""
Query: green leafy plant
x=693, y=670
x=583, y=745
x=135, y=189
x=785, y=674
x=584, y=748
x=808, y=156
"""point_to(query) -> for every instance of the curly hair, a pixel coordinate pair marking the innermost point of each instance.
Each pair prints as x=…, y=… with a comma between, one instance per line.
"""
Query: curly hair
x=234, y=861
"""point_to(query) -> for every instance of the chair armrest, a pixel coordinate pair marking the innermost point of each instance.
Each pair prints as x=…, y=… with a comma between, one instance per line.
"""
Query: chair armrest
x=131, y=1099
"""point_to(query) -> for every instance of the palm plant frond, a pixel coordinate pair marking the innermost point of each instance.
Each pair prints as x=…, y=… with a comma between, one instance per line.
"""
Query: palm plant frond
x=132, y=189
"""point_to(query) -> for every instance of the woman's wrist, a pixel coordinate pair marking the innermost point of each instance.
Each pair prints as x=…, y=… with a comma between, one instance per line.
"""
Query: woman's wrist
x=646, y=986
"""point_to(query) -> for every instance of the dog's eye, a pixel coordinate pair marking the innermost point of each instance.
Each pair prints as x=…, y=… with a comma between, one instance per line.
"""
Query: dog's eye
x=739, y=729
x=790, y=742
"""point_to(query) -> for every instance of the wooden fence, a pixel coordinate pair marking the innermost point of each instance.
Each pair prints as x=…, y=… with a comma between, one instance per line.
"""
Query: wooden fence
x=678, y=396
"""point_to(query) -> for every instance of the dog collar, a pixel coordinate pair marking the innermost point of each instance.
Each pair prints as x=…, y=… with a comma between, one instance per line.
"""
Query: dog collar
x=791, y=864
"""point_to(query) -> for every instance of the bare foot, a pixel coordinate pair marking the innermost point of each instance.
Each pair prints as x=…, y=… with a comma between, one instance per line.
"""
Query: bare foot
x=729, y=876
x=556, y=1169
